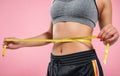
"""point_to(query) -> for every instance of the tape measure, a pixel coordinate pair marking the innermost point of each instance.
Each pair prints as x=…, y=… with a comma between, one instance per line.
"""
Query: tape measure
x=81, y=39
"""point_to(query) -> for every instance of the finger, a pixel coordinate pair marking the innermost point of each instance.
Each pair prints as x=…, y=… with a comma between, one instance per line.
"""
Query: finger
x=9, y=42
x=12, y=46
x=115, y=37
x=106, y=27
x=5, y=39
x=5, y=42
x=103, y=30
x=107, y=37
x=107, y=33
x=100, y=34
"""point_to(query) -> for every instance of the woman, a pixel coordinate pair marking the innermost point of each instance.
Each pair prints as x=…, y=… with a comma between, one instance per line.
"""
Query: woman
x=71, y=19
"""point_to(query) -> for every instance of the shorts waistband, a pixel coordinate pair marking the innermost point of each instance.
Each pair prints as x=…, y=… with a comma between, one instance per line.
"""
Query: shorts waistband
x=79, y=57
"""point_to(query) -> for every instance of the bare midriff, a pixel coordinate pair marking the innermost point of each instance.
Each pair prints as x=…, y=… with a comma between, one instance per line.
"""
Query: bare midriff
x=63, y=30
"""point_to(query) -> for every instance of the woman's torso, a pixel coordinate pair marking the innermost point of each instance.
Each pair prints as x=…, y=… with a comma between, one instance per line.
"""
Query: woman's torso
x=70, y=29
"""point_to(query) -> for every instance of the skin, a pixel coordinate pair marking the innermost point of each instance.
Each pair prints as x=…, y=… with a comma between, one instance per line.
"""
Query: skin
x=60, y=30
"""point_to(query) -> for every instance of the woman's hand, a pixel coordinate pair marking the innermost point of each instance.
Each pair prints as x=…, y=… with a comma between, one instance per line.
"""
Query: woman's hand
x=109, y=34
x=13, y=44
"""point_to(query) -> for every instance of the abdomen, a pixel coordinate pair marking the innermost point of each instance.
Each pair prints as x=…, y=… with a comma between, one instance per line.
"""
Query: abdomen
x=63, y=30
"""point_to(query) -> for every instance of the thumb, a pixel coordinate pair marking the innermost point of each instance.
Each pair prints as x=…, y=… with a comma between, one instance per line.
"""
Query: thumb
x=13, y=46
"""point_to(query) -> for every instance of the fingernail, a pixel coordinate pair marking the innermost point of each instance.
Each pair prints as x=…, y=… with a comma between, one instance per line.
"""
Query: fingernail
x=99, y=37
x=5, y=42
x=103, y=39
x=108, y=40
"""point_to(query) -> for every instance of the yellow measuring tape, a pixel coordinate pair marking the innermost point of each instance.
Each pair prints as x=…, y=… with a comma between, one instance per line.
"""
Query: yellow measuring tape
x=81, y=39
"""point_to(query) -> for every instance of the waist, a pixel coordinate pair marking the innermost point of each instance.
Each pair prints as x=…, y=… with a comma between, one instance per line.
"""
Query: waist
x=75, y=58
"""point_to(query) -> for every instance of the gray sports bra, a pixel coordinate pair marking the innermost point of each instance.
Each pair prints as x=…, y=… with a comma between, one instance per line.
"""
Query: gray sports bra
x=82, y=11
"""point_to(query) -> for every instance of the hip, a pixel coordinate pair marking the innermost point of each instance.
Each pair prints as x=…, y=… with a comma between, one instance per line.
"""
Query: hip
x=78, y=64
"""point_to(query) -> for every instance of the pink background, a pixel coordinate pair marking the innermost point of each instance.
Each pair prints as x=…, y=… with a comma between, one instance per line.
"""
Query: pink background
x=28, y=18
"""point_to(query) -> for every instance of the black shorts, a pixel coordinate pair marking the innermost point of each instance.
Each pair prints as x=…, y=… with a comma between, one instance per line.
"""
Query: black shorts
x=78, y=64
